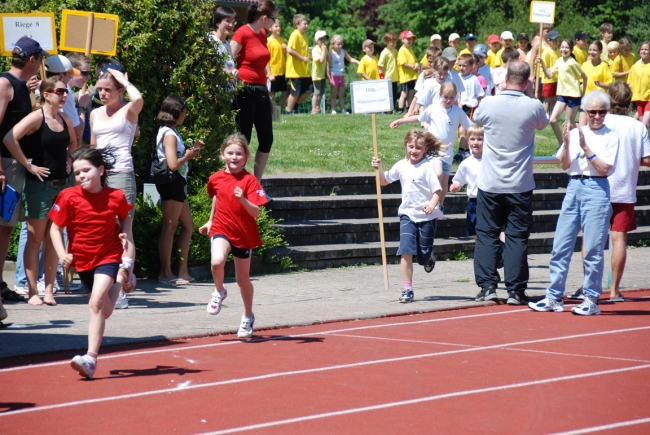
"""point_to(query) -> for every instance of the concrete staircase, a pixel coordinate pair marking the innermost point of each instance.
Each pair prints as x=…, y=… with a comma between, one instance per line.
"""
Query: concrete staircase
x=331, y=220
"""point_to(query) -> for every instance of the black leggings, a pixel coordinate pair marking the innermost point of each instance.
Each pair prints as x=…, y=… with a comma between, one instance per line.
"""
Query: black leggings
x=254, y=107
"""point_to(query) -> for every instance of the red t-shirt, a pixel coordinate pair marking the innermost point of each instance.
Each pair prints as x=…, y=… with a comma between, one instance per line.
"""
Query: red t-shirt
x=230, y=217
x=254, y=55
x=92, y=228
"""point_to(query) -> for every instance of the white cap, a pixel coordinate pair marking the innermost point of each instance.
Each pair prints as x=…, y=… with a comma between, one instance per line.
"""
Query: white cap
x=320, y=34
x=453, y=37
x=434, y=37
x=507, y=35
x=60, y=64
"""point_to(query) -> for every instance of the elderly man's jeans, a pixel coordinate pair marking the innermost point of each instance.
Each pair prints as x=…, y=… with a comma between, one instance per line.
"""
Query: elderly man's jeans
x=585, y=207
x=513, y=214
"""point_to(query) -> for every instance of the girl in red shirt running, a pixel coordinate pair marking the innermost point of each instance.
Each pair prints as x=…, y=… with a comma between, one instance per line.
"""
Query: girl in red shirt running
x=96, y=241
x=236, y=199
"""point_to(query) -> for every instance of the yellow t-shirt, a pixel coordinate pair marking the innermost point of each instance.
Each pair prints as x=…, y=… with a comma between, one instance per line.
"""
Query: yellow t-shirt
x=405, y=56
x=599, y=72
x=580, y=54
x=639, y=81
x=368, y=66
x=549, y=56
x=296, y=68
x=277, y=62
x=498, y=61
x=623, y=64
x=317, y=67
x=388, y=64
x=491, y=58
x=568, y=73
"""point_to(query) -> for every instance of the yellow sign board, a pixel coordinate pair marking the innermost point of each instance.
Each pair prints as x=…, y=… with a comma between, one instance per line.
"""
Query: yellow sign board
x=542, y=12
x=74, y=30
x=39, y=26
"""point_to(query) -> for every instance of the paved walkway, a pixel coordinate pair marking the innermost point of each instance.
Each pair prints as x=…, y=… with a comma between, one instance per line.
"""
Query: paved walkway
x=159, y=313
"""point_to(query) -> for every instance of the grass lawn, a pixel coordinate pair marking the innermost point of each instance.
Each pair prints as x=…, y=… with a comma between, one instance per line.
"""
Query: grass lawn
x=327, y=143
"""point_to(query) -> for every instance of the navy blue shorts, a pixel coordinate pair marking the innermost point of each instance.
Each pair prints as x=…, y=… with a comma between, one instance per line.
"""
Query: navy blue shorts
x=471, y=216
x=416, y=238
x=409, y=86
x=570, y=101
x=87, y=277
x=235, y=251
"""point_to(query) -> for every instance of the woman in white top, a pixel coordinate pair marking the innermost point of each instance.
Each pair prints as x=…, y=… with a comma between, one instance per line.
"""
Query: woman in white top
x=114, y=125
x=223, y=22
x=588, y=155
x=175, y=208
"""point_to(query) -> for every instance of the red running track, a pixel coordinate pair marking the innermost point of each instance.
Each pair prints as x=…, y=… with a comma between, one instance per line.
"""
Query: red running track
x=496, y=369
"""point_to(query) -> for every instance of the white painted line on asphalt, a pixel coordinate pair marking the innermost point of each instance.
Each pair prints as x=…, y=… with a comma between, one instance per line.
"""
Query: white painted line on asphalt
x=403, y=340
x=426, y=399
x=317, y=370
x=605, y=427
x=283, y=337
x=580, y=355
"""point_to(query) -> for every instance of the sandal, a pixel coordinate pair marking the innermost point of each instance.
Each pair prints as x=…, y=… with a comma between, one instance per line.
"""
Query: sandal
x=11, y=296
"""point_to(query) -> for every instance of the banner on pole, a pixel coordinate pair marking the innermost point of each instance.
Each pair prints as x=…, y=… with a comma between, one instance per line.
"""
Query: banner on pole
x=39, y=26
x=542, y=12
x=74, y=27
x=371, y=96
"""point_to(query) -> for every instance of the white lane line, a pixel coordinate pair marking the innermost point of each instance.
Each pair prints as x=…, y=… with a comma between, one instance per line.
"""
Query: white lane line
x=284, y=337
x=403, y=340
x=426, y=399
x=605, y=427
x=579, y=355
x=313, y=370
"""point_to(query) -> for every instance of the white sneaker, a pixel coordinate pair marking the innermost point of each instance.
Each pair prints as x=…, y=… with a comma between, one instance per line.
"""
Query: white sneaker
x=22, y=290
x=122, y=302
x=345, y=112
x=214, y=306
x=84, y=365
x=587, y=308
x=333, y=112
x=246, y=326
x=40, y=285
x=547, y=304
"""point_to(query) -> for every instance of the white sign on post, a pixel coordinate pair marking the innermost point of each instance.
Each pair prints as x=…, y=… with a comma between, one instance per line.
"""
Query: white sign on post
x=542, y=12
x=371, y=96
x=38, y=26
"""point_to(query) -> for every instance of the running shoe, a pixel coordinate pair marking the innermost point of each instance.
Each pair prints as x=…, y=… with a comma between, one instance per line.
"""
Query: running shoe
x=122, y=302
x=587, y=308
x=491, y=293
x=84, y=365
x=547, y=304
x=22, y=290
x=578, y=294
x=430, y=264
x=246, y=326
x=516, y=297
x=214, y=306
x=407, y=296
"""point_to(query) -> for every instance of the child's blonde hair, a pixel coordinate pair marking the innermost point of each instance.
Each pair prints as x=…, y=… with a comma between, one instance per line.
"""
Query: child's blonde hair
x=435, y=148
x=298, y=18
x=448, y=87
x=475, y=130
x=624, y=45
x=335, y=39
x=236, y=139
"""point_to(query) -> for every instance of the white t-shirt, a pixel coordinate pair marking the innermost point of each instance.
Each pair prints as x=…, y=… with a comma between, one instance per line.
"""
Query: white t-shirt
x=498, y=76
x=634, y=145
x=180, y=147
x=454, y=77
x=443, y=124
x=603, y=142
x=420, y=82
x=70, y=109
x=419, y=183
x=429, y=93
x=467, y=173
x=486, y=72
x=473, y=91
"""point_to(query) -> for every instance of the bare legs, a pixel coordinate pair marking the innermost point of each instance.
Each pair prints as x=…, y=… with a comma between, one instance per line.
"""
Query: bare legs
x=173, y=213
x=102, y=301
x=619, y=256
x=38, y=231
x=260, y=164
x=5, y=239
x=406, y=267
x=296, y=100
x=339, y=93
x=219, y=253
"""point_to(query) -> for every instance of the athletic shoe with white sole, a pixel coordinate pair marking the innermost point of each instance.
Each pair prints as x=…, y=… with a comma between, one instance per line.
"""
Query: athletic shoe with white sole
x=587, y=308
x=214, y=306
x=122, y=302
x=84, y=365
x=431, y=264
x=491, y=293
x=578, y=294
x=246, y=326
x=407, y=296
x=22, y=290
x=547, y=304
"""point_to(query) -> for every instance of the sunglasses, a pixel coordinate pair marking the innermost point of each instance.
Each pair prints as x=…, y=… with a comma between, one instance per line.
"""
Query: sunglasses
x=601, y=112
x=85, y=73
x=60, y=91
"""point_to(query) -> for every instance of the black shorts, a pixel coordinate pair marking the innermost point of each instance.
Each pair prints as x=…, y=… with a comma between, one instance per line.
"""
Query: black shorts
x=235, y=251
x=471, y=216
x=299, y=86
x=396, y=90
x=87, y=277
x=174, y=191
x=408, y=86
x=279, y=85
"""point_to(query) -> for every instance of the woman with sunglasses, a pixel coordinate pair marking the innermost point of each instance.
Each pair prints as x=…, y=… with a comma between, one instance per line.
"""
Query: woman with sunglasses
x=588, y=155
x=51, y=138
x=253, y=104
x=114, y=125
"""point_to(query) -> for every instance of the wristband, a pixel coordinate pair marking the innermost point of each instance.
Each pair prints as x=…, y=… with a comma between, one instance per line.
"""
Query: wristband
x=593, y=156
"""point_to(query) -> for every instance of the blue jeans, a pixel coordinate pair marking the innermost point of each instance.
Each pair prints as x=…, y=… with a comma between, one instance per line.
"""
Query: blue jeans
x=20, y=276
x=585, y=207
